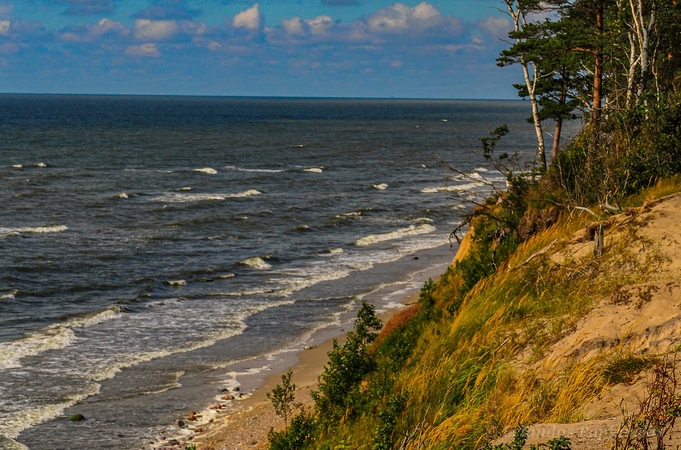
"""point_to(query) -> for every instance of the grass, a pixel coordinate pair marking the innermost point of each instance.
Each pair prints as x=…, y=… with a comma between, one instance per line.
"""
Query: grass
x=475, y=373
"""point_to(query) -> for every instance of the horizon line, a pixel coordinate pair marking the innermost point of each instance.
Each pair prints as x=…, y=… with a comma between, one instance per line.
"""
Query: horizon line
x=273, y=97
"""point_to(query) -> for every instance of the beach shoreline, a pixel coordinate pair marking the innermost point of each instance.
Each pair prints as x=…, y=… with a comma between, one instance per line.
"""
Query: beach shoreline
x=241, y=414
x=247, y=427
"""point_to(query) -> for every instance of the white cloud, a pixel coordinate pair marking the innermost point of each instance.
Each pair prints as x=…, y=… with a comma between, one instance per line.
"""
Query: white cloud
x=148, y=49
x=319, y=25
x=251, y=19
x=105, y=26
x=297, y=27
x=400, y=18
x=155, y=30
x=293, y=27
x=4, y=27
x=495, y=27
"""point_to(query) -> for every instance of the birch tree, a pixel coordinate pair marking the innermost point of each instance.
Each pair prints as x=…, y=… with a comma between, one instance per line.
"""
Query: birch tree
x=523, y=53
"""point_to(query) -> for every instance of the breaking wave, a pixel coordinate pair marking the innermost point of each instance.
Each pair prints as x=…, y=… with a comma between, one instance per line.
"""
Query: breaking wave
x=397, y=234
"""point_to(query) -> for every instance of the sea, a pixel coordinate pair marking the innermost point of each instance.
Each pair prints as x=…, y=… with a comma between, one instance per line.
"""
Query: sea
x=153, y=250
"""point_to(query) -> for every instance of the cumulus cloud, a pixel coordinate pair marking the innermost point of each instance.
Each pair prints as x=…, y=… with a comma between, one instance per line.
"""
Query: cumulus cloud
x=143, y=50
x=398, y=23
x=88, y=7
x=250, y=19
x=495, y=27
x=402, y=19
x=155, y=30
x=4, y=27
x=91, y=33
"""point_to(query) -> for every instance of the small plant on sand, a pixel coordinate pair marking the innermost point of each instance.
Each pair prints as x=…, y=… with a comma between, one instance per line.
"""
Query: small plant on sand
x=520, y=437
x=657, y=414
x=283, y=397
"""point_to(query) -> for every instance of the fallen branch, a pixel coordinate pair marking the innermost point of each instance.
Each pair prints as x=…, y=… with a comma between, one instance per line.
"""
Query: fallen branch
x=540, y=252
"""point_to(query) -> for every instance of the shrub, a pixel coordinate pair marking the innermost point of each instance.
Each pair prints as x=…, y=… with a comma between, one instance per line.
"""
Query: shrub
x=338, y=390
x=303, y=427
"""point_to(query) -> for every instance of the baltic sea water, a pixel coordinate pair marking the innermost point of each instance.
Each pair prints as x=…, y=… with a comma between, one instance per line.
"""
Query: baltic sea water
x=146, y=242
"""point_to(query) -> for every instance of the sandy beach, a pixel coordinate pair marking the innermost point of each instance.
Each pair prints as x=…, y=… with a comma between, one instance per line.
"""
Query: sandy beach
x=243, y=422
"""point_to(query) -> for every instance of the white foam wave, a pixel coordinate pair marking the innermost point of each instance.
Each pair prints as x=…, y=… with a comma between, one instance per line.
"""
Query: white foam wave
x=54, y=337
x=175, y=197
x=9, y=296
x=335, y=250
x=241, y=169
x=256, y=263
x=131, y=360
x=225, y=276
x=41, y=164
x=176, y=282
x=122, y=195
x=38, y=230
x=314, y=170
x=481, y=169
x=17, y=166
x=397, y=234
x=458, y=188
x=248, y=193
x=26, y=418
x=185, y=188
x=48, y=229
x=207, y=170
x=381, y=187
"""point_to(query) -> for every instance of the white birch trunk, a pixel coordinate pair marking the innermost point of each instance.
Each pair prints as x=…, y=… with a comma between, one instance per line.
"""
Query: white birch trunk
x=519, y=19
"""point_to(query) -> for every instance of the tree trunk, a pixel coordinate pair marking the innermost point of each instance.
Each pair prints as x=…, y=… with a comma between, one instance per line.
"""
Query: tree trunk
x=531, y=83
x=598, y=68
x=556, y=138
x=519, y=20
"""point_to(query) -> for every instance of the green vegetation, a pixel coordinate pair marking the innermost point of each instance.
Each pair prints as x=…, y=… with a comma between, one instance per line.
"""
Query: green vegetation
x=466, y=363
x=283, y=397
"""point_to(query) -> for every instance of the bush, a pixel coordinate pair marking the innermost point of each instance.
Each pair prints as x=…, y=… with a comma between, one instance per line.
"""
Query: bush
x=338, y=391
x=299, y=434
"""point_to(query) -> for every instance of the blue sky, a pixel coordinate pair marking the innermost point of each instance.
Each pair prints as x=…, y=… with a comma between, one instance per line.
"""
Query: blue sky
x=328, y=48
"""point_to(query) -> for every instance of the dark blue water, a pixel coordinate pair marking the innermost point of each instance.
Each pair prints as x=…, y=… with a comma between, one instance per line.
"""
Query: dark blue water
x=147, y=240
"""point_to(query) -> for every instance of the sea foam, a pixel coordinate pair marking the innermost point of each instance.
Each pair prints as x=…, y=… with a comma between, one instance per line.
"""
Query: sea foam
x=397, y=234
x=256, y=263
x=37, y=230
x=458, y=188
x=54, y=337
x=177, y=197
x=28, y=417
x=313, y=170
x=207, y=170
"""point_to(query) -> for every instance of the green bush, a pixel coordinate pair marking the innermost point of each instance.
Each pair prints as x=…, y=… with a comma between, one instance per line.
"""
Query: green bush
x=297, y=436
x=387, y=421
x=338, y=393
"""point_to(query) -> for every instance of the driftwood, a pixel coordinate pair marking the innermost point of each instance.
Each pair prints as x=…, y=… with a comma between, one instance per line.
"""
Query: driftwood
x=539, y=253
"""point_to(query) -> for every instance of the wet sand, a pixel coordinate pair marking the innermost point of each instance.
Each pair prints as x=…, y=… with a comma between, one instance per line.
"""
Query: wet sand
x=245, y=423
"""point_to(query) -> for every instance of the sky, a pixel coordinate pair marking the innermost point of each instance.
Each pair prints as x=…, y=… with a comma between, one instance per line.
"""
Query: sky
x=299, y=48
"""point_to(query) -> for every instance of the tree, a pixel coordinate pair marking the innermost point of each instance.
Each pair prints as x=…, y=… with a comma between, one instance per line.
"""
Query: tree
x=283, y=397
x=524, y=52
x=347, y=367
x=559, y=78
